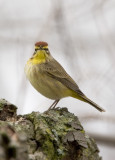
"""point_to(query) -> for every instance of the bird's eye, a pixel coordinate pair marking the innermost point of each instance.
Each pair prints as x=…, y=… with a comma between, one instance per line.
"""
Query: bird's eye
x=47, y=50
x=36, y=49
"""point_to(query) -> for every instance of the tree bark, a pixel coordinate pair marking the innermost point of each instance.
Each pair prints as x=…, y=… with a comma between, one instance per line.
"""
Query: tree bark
x=52, y=135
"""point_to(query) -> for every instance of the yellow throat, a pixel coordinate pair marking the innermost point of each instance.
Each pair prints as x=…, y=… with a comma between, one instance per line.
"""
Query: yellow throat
x=40, y=55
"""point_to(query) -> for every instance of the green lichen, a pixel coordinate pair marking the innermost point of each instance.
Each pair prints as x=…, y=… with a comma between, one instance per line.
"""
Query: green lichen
x=48, y=148
x=53, y=135
x=2, y=103
x=51, y=128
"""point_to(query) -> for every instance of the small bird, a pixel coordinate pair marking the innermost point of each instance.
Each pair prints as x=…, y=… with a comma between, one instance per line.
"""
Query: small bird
x=50, y=79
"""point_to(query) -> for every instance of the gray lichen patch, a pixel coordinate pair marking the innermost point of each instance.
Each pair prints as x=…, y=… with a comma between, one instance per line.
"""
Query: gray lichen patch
x=10, y=144
x=52, y=135
x=7, y=110
x=59, y=134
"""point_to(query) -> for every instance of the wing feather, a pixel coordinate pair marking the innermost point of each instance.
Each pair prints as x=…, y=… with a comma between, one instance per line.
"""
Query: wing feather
x=56, y=71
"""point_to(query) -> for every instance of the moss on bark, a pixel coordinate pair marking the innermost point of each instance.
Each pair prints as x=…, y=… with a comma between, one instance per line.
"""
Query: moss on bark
x=52, y=135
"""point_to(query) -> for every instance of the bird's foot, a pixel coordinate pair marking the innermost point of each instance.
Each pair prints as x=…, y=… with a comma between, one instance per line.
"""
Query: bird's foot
x=53, y=108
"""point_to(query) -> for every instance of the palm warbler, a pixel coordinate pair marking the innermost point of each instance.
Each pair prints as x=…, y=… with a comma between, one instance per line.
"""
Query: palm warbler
x=50, y=79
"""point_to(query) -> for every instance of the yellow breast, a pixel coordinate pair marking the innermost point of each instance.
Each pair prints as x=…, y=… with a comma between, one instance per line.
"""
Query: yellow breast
x=46, y=85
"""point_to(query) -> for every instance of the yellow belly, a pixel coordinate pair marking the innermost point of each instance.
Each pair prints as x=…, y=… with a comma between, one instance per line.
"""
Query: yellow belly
x=45, y=84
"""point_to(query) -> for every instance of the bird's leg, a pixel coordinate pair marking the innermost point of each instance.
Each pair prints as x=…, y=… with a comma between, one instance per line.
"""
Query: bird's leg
x=53, y=105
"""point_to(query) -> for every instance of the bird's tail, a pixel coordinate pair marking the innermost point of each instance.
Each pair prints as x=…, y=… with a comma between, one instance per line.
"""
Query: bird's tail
x=93, y=104
x=82, y=97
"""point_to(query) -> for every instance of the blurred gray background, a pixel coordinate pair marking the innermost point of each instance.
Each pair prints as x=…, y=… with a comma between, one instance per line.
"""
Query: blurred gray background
x=81, y=36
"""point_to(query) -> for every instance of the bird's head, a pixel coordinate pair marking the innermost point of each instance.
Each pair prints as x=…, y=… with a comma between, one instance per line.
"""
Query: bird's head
x=41, y=53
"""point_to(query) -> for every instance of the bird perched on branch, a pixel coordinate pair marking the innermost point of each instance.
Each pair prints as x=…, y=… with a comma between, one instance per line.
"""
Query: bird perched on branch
x=50, y=79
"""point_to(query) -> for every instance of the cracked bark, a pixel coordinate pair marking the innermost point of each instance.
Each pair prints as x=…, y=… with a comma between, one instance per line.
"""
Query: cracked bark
x=53, y=135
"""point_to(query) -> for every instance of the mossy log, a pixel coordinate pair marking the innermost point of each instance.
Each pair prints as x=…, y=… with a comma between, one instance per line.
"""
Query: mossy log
x=52, y=135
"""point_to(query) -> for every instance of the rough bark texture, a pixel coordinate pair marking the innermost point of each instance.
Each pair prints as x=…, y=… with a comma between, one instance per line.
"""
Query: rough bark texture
x=53, y=135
